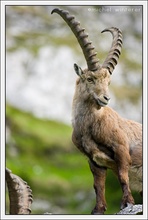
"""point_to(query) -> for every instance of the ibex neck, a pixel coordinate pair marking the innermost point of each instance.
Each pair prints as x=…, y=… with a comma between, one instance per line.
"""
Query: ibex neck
x=83, y=110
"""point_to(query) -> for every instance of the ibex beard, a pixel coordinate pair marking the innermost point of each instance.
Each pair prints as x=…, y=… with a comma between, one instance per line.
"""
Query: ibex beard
x=108, y=140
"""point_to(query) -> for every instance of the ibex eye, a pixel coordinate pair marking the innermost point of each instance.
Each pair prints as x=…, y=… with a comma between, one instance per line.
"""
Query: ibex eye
x=90, y=80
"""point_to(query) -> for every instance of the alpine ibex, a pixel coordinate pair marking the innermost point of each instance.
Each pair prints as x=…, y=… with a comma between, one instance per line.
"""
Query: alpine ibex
x=108, y=140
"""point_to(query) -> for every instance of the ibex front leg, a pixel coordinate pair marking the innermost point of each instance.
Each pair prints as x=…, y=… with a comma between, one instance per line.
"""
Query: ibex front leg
x=99, y=174
x=123, y=161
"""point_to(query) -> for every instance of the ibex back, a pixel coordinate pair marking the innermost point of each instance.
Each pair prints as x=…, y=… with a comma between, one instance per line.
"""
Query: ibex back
x=108, y=140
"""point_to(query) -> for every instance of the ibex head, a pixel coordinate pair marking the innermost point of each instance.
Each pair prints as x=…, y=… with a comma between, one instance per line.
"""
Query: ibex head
x=96, y=77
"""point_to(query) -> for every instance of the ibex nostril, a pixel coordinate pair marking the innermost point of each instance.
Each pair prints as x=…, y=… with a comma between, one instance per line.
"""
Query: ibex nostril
x=106, y=98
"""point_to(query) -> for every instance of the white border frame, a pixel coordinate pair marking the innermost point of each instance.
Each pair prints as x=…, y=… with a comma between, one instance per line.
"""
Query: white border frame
x=3, y=4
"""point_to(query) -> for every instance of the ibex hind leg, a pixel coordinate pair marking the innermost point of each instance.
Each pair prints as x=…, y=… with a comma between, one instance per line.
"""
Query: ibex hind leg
x=124, y=182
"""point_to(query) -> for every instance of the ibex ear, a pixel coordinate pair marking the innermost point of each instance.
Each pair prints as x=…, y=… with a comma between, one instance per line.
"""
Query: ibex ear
x=78, y=70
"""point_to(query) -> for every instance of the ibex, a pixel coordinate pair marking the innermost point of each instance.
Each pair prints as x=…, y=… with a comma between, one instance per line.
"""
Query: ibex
x=108, y=140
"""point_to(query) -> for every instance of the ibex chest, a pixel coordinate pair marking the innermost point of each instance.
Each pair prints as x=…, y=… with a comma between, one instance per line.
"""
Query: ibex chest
x=81, y=130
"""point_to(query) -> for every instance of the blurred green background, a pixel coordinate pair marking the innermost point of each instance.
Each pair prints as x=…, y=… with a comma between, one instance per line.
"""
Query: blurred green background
x=38, y=137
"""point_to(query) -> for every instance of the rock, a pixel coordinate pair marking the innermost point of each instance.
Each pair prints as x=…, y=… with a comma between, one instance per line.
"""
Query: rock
x=131, y=210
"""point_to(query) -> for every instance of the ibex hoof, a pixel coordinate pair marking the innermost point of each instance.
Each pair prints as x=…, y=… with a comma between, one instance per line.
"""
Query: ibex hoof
x=124, y=205
x=97, y=212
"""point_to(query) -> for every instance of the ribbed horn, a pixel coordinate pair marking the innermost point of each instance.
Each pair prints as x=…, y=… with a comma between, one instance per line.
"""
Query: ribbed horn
x=20, y=194
x=115, y=51
x=82, y=37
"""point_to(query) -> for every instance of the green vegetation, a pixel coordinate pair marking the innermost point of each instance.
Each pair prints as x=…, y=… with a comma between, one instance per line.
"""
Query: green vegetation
x=41, y=152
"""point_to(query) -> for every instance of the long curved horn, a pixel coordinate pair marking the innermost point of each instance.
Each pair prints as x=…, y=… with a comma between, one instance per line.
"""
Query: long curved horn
x=82, y=37
x=20, y=194
x=115, y=51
